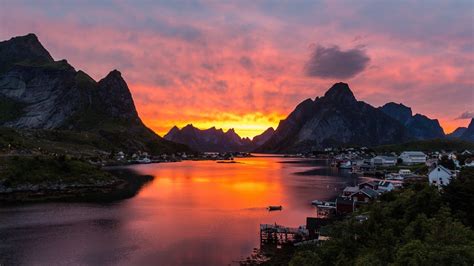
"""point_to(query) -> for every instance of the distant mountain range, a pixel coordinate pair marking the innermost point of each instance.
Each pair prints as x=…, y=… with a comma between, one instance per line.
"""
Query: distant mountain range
x=216, y=140
x=37, y=92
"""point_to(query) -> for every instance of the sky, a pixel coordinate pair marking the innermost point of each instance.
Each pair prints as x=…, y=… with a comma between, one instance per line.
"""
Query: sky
x=247, y=64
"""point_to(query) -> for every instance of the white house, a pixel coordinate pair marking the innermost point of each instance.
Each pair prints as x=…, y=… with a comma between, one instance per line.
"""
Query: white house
x=440, y=176
x=413, y=157
x=383, y=160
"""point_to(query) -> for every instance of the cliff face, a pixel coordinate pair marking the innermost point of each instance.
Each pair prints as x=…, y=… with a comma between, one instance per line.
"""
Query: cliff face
x=264, y=137
x=37, y=92
x=337, y=118
x=419, y=126
x=468, y=134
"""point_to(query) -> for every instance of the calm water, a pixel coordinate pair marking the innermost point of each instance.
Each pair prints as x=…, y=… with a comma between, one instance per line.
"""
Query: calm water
x=193, y=213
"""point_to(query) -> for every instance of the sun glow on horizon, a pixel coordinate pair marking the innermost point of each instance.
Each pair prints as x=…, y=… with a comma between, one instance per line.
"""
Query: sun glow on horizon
x=246, y=125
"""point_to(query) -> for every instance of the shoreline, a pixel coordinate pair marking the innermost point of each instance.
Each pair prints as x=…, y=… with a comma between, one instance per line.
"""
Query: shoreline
x=126, y=184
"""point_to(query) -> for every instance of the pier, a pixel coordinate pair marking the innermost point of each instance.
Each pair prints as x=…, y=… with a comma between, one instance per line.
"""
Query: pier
x=278, y=235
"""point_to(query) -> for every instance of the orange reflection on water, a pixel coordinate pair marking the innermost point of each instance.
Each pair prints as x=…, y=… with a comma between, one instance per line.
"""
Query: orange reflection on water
x=247, y=184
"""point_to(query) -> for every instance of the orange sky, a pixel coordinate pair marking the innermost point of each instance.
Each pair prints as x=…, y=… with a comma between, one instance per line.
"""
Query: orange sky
x=243, y=65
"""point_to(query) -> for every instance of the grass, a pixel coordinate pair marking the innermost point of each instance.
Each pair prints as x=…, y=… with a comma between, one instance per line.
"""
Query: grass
x=17, y=170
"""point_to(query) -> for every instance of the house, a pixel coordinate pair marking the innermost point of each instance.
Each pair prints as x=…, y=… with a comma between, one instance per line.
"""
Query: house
x=348, y=191
x=365, y=195
x=404, y=172
x=466, y=152
x=440, y=176
x=413, y=157
x=372, y=185
x=344, y=205
x=383, y=160
x=385, y=186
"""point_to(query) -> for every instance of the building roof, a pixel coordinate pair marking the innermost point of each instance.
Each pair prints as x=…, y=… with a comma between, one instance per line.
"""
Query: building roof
x=351, y=189
x=385, y=157
x=345, y=201
x=442, y=168
x=369, y=192
x=371, y=183
x=414, y=153
x=384, y=183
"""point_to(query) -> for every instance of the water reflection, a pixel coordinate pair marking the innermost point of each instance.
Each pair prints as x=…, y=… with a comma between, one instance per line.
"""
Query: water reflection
x=193, y=213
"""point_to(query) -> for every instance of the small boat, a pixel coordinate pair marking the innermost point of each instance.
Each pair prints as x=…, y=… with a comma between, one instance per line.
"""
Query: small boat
x=144, y=160
x=222, y=161
x=275, y=208
x=317, y=202
x=345, y=165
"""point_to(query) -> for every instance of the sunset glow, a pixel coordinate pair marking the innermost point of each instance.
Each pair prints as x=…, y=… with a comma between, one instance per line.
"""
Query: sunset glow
x=207, y=64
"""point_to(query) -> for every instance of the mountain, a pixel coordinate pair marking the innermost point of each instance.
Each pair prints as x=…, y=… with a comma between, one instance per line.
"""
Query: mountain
x=457, y=133
x=209, y=140
x=264, y=137
x=337, y=118
x=39, y=93
x=216, y=140
x=469, y=132
x=419, y=126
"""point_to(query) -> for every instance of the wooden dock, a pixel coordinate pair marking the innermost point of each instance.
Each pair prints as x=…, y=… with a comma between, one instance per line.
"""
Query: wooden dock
x=278, y=235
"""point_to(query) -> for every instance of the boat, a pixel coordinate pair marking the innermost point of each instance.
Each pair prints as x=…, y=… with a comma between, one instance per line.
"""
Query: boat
x=144, y=160
x=223, y=161
x=275, y=208
x=345, y=165
x=317, y=202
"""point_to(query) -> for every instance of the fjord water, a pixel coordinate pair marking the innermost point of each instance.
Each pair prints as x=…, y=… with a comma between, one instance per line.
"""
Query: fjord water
x=192, y=213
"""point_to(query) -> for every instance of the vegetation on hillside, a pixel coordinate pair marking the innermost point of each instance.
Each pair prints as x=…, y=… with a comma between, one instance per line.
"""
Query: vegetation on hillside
x=428, y=146
x=9, y=109
x=418, y=225
x=17, y=170
x=83, y=143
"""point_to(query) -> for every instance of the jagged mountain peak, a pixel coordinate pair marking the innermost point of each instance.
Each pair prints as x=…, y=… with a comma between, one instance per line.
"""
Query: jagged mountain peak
x=26, y=48
x=398, y=111
x=340, y=92
x=420, y=126
x=210, y=140
x=70, y=99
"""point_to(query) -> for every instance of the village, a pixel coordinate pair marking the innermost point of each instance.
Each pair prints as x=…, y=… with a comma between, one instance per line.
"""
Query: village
x=383, y=173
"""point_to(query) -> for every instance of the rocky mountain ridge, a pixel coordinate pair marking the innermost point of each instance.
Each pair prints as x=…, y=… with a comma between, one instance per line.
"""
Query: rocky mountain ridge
x=37, y=92
x=215, y=140
x=339, y=119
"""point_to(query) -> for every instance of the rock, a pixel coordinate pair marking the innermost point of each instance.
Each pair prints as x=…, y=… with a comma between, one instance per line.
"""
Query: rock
x=210, y=140
x=469, y=132
x=335, y=119
x=419, y=126
x=40, y=93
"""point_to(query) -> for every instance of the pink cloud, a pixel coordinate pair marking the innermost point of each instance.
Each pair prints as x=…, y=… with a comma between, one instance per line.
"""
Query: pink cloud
x=196, y=62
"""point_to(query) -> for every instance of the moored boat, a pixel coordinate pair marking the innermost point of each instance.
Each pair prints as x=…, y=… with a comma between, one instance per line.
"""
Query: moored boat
x=275, y=208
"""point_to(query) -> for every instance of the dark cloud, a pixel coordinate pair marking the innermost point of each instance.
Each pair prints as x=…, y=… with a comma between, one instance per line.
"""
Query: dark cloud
x=466, y=115
x=332, y=62
x=246, y=62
